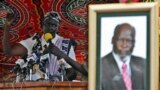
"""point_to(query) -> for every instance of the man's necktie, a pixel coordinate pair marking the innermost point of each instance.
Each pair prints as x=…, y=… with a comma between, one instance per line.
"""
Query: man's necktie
x=126, y=77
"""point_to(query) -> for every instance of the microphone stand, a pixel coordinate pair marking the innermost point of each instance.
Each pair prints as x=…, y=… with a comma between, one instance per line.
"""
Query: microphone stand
x=47, y=71
x=30, y=65
x=30, y=74
x=47, y=62
x=62, y=72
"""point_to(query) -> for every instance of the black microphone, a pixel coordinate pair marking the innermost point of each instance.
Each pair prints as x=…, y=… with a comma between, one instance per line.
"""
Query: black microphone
x=38, y=46
x=16, y=68
x=24, y=62
x=19, y=64
x=45, y=54
x=44, y=58
x=36, y=51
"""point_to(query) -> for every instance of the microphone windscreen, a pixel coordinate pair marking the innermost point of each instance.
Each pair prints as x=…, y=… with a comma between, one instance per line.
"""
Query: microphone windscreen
x=48, y=36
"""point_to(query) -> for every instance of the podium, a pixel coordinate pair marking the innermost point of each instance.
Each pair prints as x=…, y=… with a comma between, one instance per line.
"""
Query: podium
x=45, y=85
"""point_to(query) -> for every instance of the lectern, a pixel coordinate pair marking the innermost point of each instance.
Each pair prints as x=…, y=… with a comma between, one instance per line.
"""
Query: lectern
x=67, y=85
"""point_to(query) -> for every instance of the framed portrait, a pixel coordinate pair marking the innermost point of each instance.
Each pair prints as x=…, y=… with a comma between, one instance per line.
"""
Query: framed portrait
x=123, y=34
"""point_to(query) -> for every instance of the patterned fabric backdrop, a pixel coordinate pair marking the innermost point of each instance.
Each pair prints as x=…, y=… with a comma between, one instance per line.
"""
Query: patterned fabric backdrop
x=28, y=17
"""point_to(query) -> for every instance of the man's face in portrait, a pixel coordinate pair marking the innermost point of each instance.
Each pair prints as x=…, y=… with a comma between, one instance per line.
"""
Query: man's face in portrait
x=123, y=43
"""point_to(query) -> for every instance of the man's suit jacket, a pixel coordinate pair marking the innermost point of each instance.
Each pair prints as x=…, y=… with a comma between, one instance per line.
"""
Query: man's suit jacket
x=112, y=78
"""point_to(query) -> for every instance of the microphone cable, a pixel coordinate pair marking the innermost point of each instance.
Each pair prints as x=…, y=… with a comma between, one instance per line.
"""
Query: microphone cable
x=22, y=82
x=5, y=75
x=3, y=82
x=22, y=85
x=53, y=85
x=69, y=84
x=13, y=84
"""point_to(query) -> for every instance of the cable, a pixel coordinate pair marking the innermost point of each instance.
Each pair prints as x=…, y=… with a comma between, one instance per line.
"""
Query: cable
x=3, y=82
x=22, y=84
x=5, y=79
x=13, y=84
x=53, y=86
x=69, y=84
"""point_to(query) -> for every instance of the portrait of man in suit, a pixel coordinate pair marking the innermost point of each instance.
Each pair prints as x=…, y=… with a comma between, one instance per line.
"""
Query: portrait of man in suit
x=120, y=69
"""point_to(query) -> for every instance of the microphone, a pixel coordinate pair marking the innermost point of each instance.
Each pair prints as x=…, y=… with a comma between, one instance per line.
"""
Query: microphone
x=19, y=64
x=32, y=59
x=23, y=62
x=36, y=51
x=36, y=37
x=48, y=37
x=44, y=57
x=38, y=46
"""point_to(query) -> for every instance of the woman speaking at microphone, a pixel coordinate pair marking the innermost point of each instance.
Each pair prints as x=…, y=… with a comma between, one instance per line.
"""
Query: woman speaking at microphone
x=50, y=25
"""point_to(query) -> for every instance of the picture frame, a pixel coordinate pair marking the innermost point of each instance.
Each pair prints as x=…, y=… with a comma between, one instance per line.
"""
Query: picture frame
x=103, y=16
